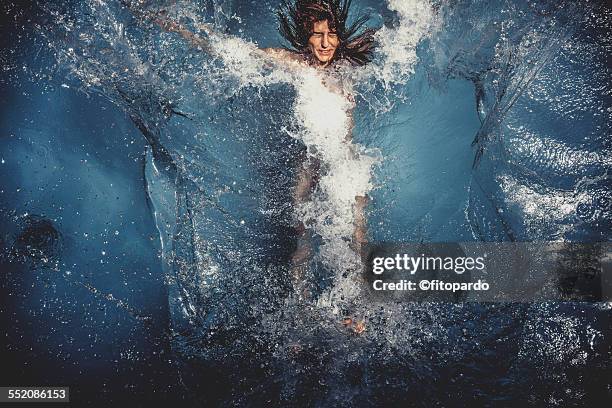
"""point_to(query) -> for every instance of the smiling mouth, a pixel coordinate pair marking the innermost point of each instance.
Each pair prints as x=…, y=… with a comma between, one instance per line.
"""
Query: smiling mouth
x=326, y=52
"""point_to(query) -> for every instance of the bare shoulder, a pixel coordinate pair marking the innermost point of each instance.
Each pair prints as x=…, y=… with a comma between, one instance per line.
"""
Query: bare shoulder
x=283, y=55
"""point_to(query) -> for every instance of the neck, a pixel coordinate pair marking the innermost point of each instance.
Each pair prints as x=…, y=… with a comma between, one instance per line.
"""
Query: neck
x=320, y=64
x=315, y=62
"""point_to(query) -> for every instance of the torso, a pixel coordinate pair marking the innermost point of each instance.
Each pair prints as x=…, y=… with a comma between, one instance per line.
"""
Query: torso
x=337, y=84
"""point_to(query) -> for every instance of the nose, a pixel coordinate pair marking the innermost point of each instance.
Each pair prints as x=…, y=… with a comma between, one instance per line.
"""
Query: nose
x=324, y=41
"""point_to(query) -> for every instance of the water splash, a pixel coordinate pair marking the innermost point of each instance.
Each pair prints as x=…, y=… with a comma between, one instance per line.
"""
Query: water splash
x=223, y=201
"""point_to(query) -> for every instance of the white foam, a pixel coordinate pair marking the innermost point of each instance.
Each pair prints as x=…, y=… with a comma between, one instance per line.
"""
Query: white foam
x=399, y=44
x=324, y=118
x=546, y=212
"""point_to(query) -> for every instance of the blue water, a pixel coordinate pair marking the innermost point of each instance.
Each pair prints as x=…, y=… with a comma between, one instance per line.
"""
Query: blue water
x=162, y=262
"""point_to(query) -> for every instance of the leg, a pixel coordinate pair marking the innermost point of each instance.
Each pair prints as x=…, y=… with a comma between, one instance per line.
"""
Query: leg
x=360, y=238
x=300, y=259
x=360, y=235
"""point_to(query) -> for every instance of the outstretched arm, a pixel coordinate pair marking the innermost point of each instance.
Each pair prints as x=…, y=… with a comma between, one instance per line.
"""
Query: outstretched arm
x=282, y=55
x=161, y=19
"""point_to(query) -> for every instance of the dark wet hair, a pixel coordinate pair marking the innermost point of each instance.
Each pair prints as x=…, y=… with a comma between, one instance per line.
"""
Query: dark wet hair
x=297, y=18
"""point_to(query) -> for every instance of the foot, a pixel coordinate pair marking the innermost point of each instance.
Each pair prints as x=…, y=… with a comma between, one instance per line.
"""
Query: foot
x=357, y=326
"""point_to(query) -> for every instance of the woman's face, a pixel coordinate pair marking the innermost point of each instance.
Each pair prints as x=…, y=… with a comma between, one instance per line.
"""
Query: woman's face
x=323, y=42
